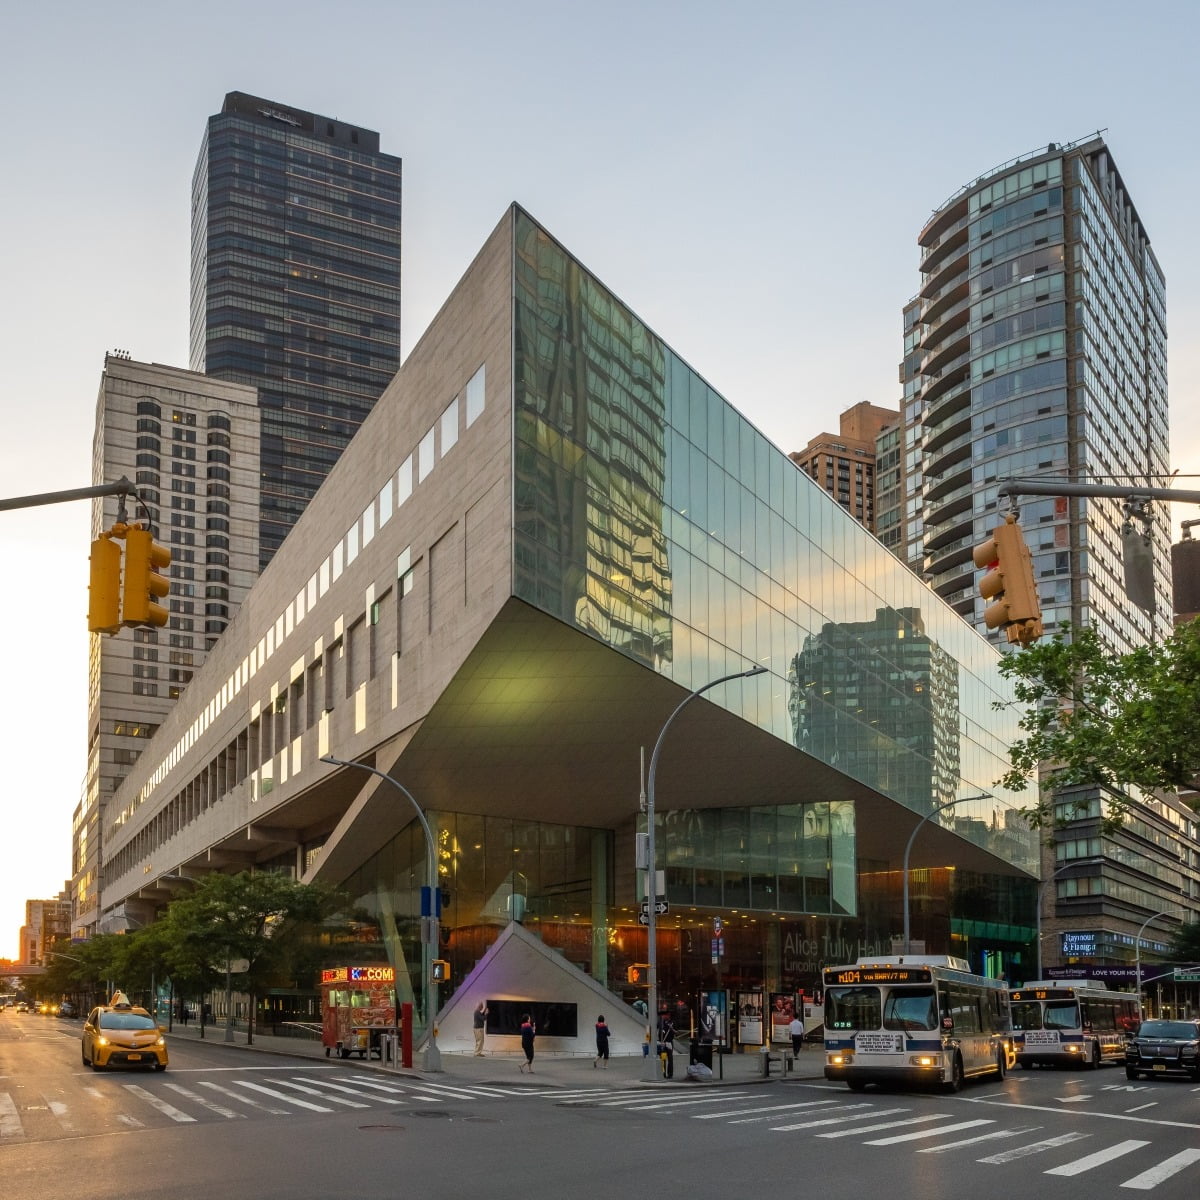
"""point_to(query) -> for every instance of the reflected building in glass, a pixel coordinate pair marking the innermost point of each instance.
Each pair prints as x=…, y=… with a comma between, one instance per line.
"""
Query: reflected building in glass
x=549, y=531
x=1036, y=348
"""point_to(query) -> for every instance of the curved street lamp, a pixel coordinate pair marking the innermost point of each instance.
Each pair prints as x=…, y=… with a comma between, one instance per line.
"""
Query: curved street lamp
x=1083, y=862
x=651, y=871
x=1138, y=953
x=911, y=838
x=433, y=1056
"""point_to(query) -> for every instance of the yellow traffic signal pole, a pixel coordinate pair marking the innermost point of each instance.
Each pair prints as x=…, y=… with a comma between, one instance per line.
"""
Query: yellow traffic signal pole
x=108, y=610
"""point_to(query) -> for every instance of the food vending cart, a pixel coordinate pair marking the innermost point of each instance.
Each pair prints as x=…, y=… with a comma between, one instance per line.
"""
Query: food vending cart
x=358, y=1006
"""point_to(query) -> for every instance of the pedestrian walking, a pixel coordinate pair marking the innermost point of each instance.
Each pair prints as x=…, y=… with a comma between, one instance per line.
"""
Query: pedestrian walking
x=479, y=1022
x=602, y=1035
x=528, y=1033
x=666, y=1043
x=796, y=1029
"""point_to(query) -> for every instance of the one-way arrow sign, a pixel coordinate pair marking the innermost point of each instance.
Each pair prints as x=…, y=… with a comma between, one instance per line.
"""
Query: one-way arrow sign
x=661, y=908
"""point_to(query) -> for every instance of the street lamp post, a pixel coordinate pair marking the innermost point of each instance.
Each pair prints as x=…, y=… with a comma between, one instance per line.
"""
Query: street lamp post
x=433, y=1056
x=1086, y=862
x=652, y=873
x=911, y=838
x=1138, y=956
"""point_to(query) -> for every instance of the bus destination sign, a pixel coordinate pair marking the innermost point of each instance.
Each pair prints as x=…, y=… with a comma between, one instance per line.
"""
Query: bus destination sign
x=1019, y=994
x=880, y=973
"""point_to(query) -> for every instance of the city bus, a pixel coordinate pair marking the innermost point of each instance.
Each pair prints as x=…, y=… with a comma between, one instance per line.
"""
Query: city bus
x=914, y=1019
x=1071, y=1021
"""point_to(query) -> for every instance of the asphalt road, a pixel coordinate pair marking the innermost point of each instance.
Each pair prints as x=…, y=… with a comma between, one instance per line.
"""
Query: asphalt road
x=311, y=1129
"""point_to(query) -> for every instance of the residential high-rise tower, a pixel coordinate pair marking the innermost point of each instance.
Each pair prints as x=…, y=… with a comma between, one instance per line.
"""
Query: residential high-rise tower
x=1036, y=347
x=295, y=284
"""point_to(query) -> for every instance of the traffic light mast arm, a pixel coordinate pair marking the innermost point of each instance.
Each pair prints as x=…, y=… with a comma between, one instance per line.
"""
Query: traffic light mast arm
x=1061, y=487
x=121, y=488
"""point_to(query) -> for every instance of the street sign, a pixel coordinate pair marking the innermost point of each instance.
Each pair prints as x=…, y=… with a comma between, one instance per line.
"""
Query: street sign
x=661, y=907
x=1187, y=976
x=643, y=918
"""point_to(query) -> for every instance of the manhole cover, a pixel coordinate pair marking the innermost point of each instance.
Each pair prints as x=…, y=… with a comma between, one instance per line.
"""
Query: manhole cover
x=382, y=1128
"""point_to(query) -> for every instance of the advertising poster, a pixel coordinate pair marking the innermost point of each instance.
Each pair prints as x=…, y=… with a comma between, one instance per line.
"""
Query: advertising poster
x=783, y=1009
x=714, y=1017
x=749, y=1018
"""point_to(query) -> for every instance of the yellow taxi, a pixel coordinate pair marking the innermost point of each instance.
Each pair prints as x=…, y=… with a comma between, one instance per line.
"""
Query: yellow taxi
x=120, y=1033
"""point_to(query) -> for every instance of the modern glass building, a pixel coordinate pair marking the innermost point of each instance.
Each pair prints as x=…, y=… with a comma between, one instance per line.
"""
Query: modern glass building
x=295, y=284
x=550, y=530
x=1036, y=347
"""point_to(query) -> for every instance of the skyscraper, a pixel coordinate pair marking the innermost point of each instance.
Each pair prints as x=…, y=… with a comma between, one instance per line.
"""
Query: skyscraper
x=295, y=284
x=190, y=445
x=1036, y=347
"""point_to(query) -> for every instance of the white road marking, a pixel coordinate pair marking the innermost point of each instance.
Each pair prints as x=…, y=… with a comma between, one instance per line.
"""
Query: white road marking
x=219, y=1109
x=258, y=1087
x=1025, y=1151
x=308, y=1091
x=168, y=1110
x=859, y=1129
x=216, y=1087
x=1098, y=1159
x=61, y=1111
x=848, y=1109
x=1141, y=1107
x=924, y=1133
x=10, y=1119
x=993, y=1136
x=739, y=1112
x=1165, y=1169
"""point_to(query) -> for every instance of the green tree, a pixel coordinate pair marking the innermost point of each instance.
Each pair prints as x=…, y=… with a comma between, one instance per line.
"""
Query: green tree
x=1111, y=721
x=1186, y=946
x=260, y=919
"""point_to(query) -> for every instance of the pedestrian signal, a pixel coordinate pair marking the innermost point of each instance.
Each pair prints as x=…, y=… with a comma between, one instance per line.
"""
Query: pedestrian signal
x=638, y=974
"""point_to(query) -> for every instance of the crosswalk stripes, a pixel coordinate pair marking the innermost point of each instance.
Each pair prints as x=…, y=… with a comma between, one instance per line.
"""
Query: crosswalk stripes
x=867, y=1122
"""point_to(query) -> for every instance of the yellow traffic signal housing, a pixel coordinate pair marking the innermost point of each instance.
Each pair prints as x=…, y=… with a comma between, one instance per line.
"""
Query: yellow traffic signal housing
x=144, y=586
x=440, y=969
x=104, y=585
x=1009, y=583
x=638, y=974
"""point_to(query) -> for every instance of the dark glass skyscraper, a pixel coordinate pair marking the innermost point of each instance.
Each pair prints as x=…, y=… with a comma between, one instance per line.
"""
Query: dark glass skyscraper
x=295, y=284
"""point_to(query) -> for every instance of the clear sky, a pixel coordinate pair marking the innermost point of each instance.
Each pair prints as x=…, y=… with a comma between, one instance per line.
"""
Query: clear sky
x=749, y=177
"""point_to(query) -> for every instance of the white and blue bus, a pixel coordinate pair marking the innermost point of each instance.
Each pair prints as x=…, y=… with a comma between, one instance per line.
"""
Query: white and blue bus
x=1071, y=1021
x=914, y=1020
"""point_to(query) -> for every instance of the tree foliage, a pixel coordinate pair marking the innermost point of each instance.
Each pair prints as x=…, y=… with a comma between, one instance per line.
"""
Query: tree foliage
x=1186, y=946
x=261, y=919
x=1112, y=721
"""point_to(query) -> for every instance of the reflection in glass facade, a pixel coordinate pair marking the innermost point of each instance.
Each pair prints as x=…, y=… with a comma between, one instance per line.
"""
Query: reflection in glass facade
x=622, y=447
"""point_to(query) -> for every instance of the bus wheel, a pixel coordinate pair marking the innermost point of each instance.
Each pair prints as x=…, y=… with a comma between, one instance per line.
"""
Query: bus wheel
x=1001, y=1064
x=955, y=1082
x=1093, y=1063
x=856, y=1085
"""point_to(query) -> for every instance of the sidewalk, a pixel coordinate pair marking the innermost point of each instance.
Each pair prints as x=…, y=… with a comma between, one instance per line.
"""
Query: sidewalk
x=550, y=1070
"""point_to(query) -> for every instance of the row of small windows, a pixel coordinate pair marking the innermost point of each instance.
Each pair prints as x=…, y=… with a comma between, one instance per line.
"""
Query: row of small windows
x=468, y=406
x=151, y=408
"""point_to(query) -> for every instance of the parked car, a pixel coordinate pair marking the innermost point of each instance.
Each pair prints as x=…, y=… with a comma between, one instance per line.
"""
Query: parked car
x=66, y=1009
x=1164, y=1048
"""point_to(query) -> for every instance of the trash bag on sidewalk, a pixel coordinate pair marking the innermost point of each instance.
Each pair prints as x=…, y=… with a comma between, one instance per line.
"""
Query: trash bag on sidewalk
x=699, y=1072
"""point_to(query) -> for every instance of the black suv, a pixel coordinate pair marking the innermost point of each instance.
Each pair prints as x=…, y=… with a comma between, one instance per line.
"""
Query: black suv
x=1164, y=1048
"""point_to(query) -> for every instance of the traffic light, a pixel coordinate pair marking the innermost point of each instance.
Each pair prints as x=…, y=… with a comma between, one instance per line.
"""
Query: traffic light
x=143, y=584
x=104, y=585
x=638, y=974
x=440, y=970
x=1009, y=583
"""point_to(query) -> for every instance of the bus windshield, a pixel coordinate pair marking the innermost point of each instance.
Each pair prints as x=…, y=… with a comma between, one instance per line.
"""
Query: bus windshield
x=906, y=1008
x=913, y=1008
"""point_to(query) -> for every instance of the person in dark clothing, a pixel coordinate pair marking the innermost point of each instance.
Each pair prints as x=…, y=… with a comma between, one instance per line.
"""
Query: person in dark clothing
x=666, y=1043
x=479, y=1026
x=528, y=1032
x=602, y=1035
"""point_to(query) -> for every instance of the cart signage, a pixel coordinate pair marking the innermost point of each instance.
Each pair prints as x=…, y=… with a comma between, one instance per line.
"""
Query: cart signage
x=359, y=975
